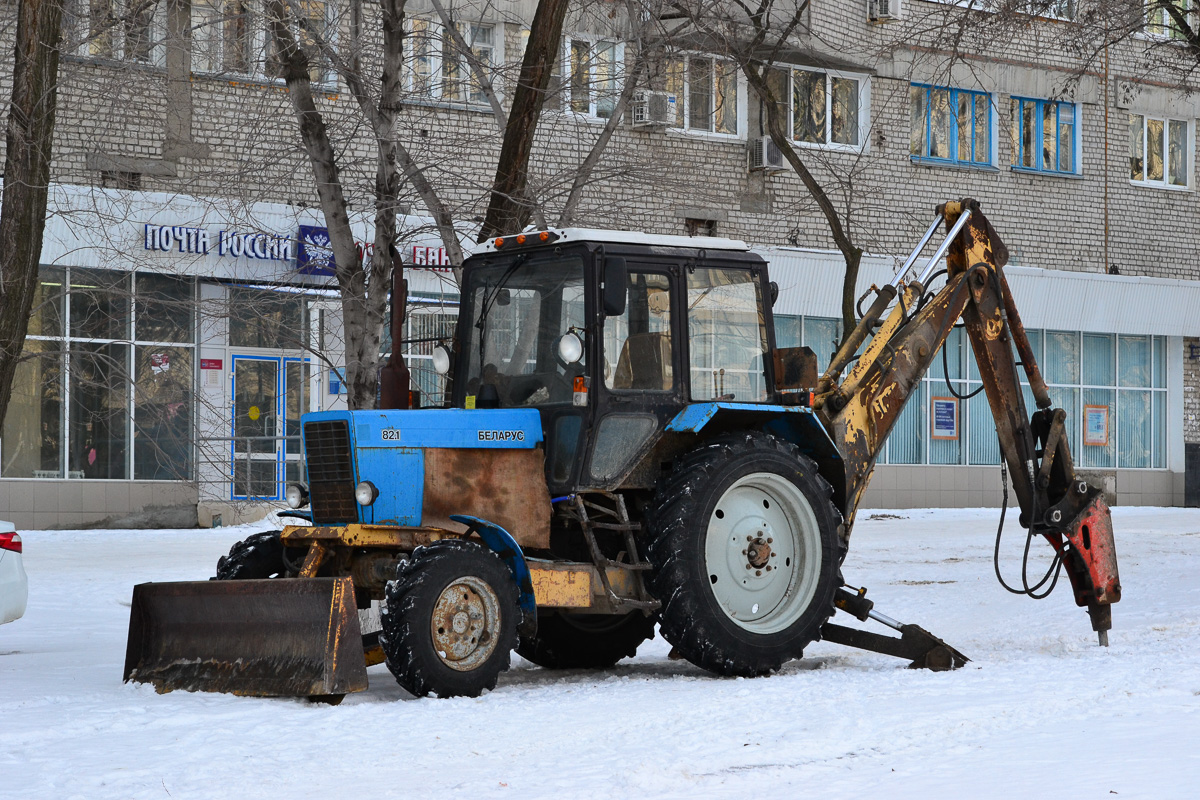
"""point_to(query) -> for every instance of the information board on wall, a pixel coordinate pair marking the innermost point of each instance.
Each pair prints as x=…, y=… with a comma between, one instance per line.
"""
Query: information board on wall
x=944, y=418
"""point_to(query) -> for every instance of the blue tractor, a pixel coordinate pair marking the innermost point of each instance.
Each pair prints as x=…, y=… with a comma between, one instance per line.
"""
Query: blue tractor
x=623, y=445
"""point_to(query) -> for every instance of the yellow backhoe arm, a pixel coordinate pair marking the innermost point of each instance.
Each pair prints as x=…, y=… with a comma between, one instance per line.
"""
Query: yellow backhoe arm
x=860, y=409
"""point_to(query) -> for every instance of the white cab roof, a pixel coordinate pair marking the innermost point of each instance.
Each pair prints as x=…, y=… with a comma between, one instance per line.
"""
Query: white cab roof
x=624, y=237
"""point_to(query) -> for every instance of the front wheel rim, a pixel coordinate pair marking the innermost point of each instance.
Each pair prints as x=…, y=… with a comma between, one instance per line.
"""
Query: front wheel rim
x=763, y=553
x=465, y=624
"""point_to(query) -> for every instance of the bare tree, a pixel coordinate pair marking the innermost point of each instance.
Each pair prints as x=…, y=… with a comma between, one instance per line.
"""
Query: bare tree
x=26, y=175
x=756, y=36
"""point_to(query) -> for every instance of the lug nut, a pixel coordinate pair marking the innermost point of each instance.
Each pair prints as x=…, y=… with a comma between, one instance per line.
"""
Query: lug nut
x=749, y=567
x=743, y=552
x=758, y=572
x=1056, y=516
x=768, y=567
x=749, y=538
x=769, y=540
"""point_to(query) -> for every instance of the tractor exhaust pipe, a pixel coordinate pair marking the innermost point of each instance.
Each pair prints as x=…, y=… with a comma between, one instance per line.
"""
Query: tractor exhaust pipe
x=395, y=380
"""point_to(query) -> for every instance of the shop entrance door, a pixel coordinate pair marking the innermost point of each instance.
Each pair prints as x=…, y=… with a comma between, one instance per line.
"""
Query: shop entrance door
x=269, y=395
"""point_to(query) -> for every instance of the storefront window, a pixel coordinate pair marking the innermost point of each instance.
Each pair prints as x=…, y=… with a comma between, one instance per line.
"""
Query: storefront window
x=1112, y=387
x=93, y=400
x=99, y=419
x=33, y=425
x=266, y=319
x=162, y=413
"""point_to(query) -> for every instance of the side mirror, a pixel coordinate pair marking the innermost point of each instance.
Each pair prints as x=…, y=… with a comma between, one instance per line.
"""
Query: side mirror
x=616, y=279
x=774, y=289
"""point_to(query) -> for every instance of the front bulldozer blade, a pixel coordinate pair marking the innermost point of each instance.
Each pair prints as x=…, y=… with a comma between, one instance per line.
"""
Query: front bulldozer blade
x=286, y=637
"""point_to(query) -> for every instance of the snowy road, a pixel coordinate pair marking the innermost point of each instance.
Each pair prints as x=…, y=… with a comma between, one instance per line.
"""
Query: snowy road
x=1040, y=712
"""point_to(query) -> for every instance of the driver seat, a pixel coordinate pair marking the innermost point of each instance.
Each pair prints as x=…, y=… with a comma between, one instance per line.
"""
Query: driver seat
x=645, y=363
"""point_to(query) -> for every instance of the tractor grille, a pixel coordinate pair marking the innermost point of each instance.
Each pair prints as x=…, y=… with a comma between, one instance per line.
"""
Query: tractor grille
x=330, y=471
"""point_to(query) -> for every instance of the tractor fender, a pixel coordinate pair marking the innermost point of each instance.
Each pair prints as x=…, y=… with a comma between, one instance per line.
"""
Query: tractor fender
x=502, y=543
x=796, y=424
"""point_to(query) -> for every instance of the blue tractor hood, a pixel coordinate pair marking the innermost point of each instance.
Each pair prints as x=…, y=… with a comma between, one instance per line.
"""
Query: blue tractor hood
x=512, y=428
x=391, y=449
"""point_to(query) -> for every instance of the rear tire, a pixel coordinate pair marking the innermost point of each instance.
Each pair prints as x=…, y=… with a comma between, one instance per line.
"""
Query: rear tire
x=586, y=641
x=450, y=620
x=745, y=554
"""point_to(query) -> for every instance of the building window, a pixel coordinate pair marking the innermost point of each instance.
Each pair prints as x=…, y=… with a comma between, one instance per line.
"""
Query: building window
x=591, y=71
x=231, y=37
x=950, y=126
x=106, y=388
x=223, y=37
x=1113, y=388
x=822, y=108
x=1045, y=136
x=439, y=70
x=128, y=30
x=1162, y=25
x=1158, y=151
x=707, y=95
x=700, y=227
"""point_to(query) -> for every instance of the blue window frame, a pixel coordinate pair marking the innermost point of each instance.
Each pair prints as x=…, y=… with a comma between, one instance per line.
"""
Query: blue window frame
x=1044, y=136
x=950, y=126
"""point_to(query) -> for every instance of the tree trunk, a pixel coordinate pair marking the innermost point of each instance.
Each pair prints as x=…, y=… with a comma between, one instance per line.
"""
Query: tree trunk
x=26, y=176
x=361, y=362
x=510, y=209
x=851, y=254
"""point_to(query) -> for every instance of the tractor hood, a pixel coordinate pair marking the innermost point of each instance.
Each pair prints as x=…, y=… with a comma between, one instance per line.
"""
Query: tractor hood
x=427, y=464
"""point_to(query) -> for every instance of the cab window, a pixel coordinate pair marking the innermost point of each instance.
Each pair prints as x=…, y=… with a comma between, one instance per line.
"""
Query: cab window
x=726, y=335
x=637, y=344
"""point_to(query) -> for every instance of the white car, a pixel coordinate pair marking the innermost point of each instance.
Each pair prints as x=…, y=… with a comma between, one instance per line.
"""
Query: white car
x=14, y=586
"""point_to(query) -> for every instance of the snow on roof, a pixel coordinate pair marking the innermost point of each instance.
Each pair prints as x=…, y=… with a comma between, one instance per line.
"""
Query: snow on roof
x=626, y=237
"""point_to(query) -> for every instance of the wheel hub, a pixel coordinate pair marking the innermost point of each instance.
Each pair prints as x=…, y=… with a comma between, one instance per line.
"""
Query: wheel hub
x=758, y=552
x=464, y=623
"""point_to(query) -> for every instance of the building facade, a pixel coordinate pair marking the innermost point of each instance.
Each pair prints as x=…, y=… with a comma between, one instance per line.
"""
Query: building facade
x=181, y=329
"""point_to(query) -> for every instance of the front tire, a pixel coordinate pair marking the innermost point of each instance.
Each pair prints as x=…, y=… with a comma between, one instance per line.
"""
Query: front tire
x=450, y=620
x=586, y=641
x=745, y=553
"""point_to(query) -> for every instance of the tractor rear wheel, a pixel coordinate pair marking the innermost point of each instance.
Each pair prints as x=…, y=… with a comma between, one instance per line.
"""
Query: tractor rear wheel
x=450, y=620
x=255, y=557
x=745, y=553
x=586, y=641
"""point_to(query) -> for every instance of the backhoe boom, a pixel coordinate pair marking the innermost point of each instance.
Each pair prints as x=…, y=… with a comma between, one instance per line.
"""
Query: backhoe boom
x=861, y=410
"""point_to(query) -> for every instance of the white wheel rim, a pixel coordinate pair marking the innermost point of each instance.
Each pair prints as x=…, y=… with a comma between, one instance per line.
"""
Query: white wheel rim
x=763, y=553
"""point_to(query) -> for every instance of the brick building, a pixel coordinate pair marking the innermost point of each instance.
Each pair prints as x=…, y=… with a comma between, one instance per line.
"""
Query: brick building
x=171, y=120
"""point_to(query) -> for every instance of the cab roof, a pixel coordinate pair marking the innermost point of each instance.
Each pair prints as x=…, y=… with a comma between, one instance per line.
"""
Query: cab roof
x=568, y=235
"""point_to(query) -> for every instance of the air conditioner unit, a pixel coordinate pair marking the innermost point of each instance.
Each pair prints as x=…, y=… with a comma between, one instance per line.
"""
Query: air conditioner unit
x=653, y=109
x=883, y=10
x=764, y=155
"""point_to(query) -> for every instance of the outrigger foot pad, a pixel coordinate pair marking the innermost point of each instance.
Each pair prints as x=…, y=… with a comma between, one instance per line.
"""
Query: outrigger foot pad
x=921, y=647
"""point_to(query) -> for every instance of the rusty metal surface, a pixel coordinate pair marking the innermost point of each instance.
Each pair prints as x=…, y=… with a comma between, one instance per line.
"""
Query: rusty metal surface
x=276, y=637
x=795, y=368
x=465, y=624
x=568, y=586
x=506, y=487
x=392, y=537
x=922, y=648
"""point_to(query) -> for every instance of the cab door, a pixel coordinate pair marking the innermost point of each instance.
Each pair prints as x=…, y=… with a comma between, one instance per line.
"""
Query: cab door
x=640, y=375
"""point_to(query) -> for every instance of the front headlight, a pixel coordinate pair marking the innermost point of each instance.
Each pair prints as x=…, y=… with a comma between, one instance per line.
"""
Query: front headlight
x=296, y=495
x=365, y=493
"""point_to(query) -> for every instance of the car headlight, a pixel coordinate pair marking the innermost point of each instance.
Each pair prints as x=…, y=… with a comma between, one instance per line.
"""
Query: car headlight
x=365, y=493
x=296, y=495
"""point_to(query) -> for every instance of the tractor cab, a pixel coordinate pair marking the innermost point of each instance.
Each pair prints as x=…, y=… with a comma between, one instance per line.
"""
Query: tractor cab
x=610, y=335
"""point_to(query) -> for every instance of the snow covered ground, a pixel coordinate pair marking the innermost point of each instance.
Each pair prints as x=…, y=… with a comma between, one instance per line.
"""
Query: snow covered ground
x=1041, y=711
